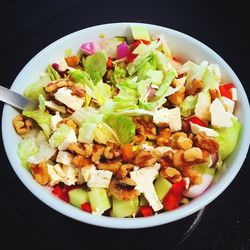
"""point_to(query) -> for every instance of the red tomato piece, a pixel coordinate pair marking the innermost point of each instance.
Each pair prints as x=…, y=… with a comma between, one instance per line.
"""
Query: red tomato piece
x=86, y=207
x=146, y=211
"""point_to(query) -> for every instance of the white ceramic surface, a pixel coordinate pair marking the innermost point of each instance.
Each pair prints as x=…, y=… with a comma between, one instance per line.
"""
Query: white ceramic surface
x=182, y=45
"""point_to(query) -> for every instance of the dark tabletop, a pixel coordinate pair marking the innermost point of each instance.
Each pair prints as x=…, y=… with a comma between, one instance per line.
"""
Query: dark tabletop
x=29, y=26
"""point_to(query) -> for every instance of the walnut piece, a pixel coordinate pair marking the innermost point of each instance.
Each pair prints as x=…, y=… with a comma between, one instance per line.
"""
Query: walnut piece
x=193, y=154
x=111, y=166
x=40, y=173
x=112, y=151
x=22, y=124
x=144, y=159
x=196, y=87
x=171, y=174
x=163, y=137
x=52, y=87
x=122, y=189
x=98, y=151
x=80, y=149
x=178, y=97
x=80, y=161
x=194, y=176
x=124, y=170
x=207, y=143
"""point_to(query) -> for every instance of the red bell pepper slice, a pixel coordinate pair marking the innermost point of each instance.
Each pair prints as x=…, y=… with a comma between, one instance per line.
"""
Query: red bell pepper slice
x=133, y=46
x=225, y=90
x=196, y=120
x=173, y=197
x=86, y=207
x=131, y=57
x=146, y=211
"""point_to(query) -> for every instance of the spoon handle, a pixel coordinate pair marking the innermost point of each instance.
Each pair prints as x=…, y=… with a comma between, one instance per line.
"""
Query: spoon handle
x=16, y=100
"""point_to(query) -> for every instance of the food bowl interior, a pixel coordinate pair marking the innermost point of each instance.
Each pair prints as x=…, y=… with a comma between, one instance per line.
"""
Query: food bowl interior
x=182, y=46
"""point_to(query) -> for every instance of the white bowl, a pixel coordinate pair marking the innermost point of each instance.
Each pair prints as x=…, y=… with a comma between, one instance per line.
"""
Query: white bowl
x=182, y=45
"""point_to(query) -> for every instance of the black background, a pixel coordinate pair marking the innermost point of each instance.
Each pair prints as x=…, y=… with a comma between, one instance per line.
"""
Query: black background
x=29, y=26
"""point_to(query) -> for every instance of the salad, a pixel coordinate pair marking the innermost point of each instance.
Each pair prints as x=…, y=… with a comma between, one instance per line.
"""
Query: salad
x=126, y=129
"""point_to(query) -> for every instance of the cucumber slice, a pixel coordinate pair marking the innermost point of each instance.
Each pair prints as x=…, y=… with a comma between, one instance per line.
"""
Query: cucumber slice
x=99, y=200
x=204, y=169
x=162, y=186
x=123, y=208
x=77, y=197
x=143, y=200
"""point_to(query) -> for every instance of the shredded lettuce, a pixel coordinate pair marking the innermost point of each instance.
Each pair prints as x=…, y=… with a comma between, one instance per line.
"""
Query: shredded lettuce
x=123, y=127
x=156, y=76
x=118, y=75
x=53, y=73
x=42, y=118
x=87, y=128
x=27, y=148
x=210, y=80
x=41, y=101
x=60, y=135
x=83, y=114
x=95, y=66
x=101, y=92
x=82, y=77
x=188, y=105
x=103, y=133
x=35, y=89
x=45, y=153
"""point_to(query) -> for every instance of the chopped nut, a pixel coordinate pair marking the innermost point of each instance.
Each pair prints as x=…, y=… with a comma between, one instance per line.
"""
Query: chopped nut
x=98, y=151
x=124, y=170
x=80, y=149
x=178, y=159
x=195, y=87
x=145, y=127
x=72, y=61
x=144, y=159
x=163, y=138
x=194, y=176
x=184, y=143
x=52, y=87
x=80, y=161
x=112, y=151
x=122, y=189
x=178, y=97
x=193, y=154
x=214, y=94
x=207, y=143
x=171, y=174
x=80, y=92
x=40, y=173
x=22, y=124
x=111, y=166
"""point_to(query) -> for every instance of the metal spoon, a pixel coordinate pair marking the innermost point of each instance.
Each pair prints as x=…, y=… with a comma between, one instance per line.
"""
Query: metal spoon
x=16, y=100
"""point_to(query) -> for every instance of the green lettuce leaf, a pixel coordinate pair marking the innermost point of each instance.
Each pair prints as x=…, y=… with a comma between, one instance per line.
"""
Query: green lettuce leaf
x=101, y=92
x=210, y=80
x=42, y=118
x=35, y=89
x=53, y=73
x=60, y=135
x=95, y=66
x=123, y=127
x=118, y=75
x=188, y=105
x=41, y=101
x=26, y=149
x=82, y=77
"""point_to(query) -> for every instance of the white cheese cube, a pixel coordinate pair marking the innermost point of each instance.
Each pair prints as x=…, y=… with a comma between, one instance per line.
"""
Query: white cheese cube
x=174, y=116
x=55, y=119
x=87, y=172
x=64, y=157
x=55, y=177
x=71, y=174
x=65, y=96
x=202, y=107
x=228, y=104
x=219, y=116
x=71, y=138
x=195, y=128
x=144, y=178
x=55, y=107
x=100, y=179
x=161, y=116
x=234, y=94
